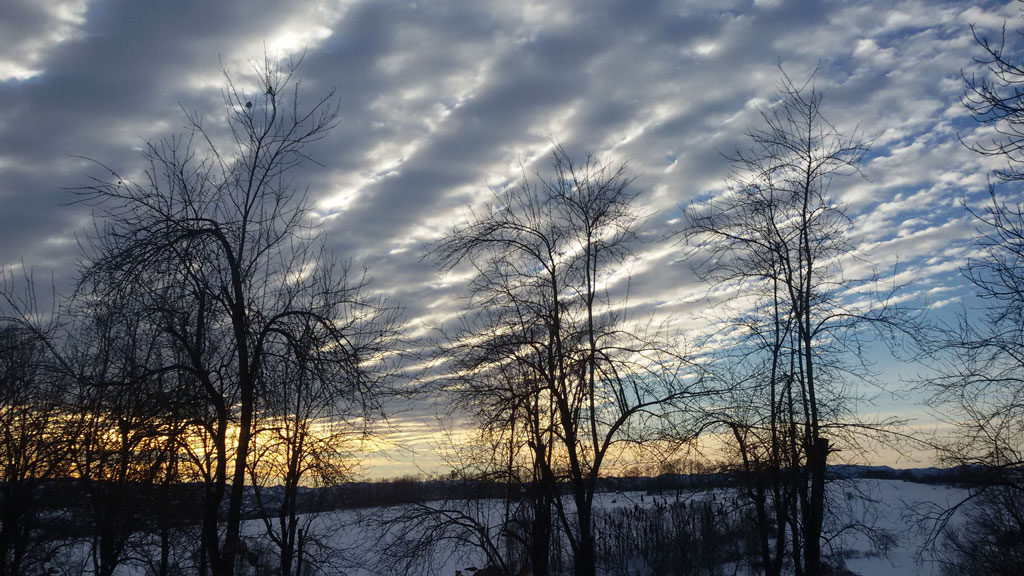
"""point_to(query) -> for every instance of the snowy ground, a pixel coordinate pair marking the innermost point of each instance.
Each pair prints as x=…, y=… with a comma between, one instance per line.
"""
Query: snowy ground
x=886, y=505
x=892, y=505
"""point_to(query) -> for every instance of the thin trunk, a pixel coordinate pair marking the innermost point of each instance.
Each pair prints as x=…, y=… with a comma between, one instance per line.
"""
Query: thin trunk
x=817, y=447
x=540, y=548
x=756, y=493
x=163, y=515
x=289, y=521
x=793, y=518
x=817, y=464
x=584, y=564
x=247, y=392
x=233, y=521
x=540, y=498
x=213, y=498
x=8, y=527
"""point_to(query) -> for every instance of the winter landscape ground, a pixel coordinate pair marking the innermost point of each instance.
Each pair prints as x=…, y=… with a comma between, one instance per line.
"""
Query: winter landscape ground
x=890, y=506
x=879, y=527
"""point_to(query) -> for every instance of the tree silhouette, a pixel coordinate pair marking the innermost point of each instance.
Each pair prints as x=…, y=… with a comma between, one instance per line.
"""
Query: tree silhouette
x=219, y=244
x=546, y=340
x=778, y=239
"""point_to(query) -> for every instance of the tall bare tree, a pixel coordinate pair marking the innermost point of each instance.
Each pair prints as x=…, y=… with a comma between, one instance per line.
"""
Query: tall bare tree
x=124, y=438
x=219, y=243
x=38, y=434
x=311, y=430
x=983, y=375
x=35, y=442
x=777, y=238
x=546, y=337
x=979, y=358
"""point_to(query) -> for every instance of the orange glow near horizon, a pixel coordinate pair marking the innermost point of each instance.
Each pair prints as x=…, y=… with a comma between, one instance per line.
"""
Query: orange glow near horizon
x=434, y=447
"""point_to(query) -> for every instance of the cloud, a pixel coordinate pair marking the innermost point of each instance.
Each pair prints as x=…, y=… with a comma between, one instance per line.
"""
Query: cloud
x=442, y=101
x=31, y=30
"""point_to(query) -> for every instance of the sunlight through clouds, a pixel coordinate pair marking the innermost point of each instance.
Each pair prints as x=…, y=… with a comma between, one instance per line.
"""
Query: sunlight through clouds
x=442, y=103
x=25, y=50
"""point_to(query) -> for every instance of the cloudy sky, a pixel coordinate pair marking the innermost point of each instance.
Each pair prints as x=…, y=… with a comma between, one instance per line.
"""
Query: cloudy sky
x=441, y=100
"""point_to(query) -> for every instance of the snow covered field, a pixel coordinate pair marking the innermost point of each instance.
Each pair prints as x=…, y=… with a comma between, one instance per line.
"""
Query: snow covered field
x=883, y=508
x=353, y=541
x=892, y=505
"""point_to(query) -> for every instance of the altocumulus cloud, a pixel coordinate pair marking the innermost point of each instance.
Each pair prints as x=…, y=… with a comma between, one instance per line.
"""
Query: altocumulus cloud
x=442, y=100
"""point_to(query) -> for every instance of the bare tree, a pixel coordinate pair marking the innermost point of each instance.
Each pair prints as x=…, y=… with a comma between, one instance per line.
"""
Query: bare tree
x=127, y=418
x=512, y=442
x=218, y=243
x=463, y=524
x=492, y=505
x=981, y=379
x=37, y=439
x=32, y=450
x=546, y=336
x=996, y=99
x=118, y=423
x=777, y=239
x=978, y=382
x=989, y=542
x=311, y=430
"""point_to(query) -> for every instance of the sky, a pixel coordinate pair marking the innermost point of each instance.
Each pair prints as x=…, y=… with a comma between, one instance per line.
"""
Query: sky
x=442, y=101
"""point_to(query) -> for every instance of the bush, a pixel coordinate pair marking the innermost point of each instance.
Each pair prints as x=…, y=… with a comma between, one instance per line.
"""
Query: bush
x=990, y=542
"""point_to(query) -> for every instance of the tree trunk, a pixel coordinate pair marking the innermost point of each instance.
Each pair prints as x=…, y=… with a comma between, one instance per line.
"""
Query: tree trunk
x=816, y=457
x=540, y=553
x=584, y=563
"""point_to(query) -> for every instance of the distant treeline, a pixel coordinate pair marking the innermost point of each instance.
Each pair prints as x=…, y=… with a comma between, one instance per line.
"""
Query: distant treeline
x=63, y=498
x=409, y=489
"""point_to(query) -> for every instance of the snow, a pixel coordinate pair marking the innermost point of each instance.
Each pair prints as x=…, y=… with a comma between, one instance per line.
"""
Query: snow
x=885, y=507
x=893, y=505
x=888, y=506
